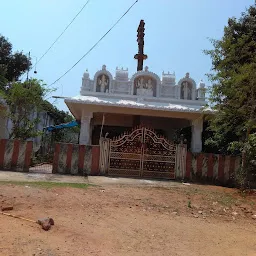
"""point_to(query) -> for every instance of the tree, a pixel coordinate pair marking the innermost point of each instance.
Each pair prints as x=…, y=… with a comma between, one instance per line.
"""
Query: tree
x=3, y=80
x=12, y=65
x=233, y=94
x=24, y=101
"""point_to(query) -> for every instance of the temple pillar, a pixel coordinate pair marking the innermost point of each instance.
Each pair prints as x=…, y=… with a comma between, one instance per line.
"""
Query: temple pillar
x=85, y=130
x=196, y=141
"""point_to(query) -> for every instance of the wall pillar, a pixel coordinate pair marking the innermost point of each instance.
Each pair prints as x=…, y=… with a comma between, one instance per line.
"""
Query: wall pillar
x=85, y=130
x=197, y=129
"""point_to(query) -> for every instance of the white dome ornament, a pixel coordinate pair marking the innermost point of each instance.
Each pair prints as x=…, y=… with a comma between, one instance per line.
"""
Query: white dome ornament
x=86, y=74
x=201, y=90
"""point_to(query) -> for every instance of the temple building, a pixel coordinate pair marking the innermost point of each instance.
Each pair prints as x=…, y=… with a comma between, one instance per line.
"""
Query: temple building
x=112, y=104
x=109, y=106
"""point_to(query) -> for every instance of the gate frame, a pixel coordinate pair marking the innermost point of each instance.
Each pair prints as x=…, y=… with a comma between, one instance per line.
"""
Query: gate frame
x=122, y=139
x=179, y=161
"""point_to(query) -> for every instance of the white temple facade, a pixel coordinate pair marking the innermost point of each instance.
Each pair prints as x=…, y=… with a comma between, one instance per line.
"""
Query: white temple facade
x=110, y=104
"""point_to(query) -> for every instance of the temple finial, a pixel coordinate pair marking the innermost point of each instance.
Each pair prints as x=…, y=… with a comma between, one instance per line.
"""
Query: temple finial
x=140, y=56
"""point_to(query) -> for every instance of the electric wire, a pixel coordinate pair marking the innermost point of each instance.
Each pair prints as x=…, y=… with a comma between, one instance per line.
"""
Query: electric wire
x=61, y=33
x=95, y=44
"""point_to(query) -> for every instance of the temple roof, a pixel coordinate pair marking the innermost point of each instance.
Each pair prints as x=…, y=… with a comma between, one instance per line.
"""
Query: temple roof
x=132, y=103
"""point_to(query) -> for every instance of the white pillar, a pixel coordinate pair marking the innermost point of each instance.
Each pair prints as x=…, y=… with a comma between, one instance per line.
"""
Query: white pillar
x=85, y=130
x=197, y=129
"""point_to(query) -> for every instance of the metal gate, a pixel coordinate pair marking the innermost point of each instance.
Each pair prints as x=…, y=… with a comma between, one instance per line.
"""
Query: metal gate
x=142, y=153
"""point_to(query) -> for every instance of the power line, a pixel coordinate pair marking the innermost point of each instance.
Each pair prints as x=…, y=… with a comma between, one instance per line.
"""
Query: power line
x=95, y=44
x=62, y=33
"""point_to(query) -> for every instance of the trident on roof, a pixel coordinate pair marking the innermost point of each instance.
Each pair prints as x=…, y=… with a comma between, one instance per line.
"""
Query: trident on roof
x=140, y=56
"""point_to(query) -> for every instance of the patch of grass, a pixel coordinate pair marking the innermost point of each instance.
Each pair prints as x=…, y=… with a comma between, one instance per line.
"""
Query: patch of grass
x=189, y=204
x=193, y=191
x=45, y=184
x=252, y=203
x=226, y=200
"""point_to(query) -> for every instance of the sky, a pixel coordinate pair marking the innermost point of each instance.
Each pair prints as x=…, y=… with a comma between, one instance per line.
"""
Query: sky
x=176, y=33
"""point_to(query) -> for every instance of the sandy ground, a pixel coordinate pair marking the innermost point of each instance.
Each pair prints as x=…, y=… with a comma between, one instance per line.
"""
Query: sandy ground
x=125, y=218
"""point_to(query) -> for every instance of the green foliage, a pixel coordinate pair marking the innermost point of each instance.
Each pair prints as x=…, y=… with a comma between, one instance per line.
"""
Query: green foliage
x=59, y=116
x=3, y=80
x=24, y=101
x=233, y=94
x=250, y=158
x=12, y=65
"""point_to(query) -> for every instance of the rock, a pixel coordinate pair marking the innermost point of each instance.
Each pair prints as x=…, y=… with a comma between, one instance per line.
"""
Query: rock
x=174, y=213
x=234, y=213
x=196, y=216
x=46, y=223
x=200, y=212
x=7, y=208
x=254, y=216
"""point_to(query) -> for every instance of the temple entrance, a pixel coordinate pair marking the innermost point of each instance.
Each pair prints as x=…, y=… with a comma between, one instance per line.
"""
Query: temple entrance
x=140, y=153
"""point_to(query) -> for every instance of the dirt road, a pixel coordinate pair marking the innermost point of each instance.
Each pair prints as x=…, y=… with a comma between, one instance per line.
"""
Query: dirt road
x=129, y=220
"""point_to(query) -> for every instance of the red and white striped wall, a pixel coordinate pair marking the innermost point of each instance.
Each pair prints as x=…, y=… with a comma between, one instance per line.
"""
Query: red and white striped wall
x=15, y=155
x=76, y=159
x=211, y=167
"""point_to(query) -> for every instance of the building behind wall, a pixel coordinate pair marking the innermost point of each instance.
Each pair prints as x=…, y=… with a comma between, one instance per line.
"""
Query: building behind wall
x=110, y=105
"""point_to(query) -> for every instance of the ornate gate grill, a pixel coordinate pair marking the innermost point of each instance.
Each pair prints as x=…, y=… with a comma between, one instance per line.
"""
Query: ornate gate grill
x=142, y=154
